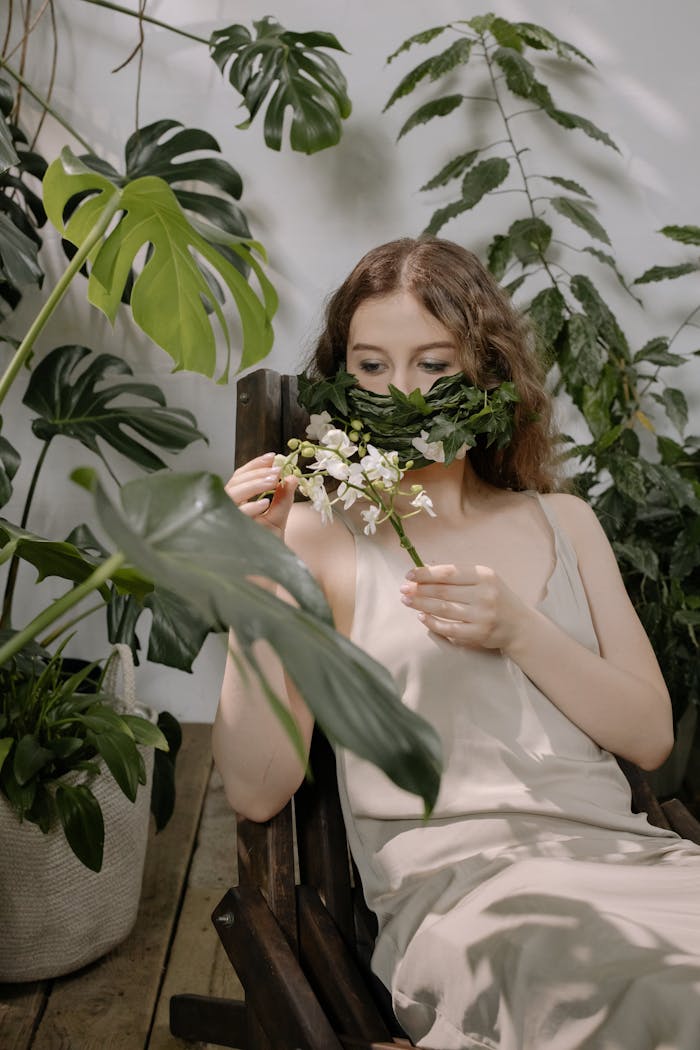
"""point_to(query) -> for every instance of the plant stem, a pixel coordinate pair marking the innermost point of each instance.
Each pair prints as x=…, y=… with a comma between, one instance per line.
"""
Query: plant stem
x=57, y=294
x=404, y=540
x=5, y=618
x=48, y=616
x=44, y=103
x=147, y=18
x=49, y=638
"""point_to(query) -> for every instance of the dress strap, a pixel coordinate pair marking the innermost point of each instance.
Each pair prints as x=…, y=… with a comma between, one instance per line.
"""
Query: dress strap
x=347, y=521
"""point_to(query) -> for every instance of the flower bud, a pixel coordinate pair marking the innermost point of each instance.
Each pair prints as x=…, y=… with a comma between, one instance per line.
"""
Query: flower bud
x=356, y=424
x=416, y=489
x=366, y=436
x=293, y=443
x=409, y=465
x=354, y=436
x=308, y=451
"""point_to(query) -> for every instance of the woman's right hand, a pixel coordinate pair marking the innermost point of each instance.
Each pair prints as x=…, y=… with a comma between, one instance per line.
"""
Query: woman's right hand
x=255, y=477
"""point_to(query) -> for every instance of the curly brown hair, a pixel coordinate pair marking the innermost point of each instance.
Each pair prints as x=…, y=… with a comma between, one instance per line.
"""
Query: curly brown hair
x=494, y=340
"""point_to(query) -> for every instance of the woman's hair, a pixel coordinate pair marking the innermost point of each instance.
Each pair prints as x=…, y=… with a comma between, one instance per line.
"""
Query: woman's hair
x=494, y=340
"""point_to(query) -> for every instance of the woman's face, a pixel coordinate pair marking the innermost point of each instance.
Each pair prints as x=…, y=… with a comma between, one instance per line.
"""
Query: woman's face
x=393, y=339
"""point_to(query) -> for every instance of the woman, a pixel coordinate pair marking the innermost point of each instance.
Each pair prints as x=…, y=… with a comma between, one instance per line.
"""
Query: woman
x=533, y=911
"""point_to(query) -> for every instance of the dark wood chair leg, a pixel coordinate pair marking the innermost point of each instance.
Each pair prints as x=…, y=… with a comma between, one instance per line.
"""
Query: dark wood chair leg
x=206, y=1019
x=681, y=820
x=276, y=988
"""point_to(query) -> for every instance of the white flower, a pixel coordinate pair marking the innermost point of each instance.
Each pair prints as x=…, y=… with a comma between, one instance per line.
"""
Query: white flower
x=382, y=466
x=429, y=449
x=339, y=441
x=329, y=462
x=423, y=502
x=313, y=488
x=351, y=490
x=370, y=516
x=286, y=463
x=319, y=423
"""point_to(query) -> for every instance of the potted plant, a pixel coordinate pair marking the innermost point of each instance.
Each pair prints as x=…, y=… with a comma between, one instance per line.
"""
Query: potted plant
x=54, y=724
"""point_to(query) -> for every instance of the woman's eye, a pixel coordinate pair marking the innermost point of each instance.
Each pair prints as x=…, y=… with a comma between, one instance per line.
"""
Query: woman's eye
x=370, y=366
x=434, y=366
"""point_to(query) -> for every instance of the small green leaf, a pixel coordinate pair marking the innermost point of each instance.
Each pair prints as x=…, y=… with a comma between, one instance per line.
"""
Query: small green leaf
x=572, y=120
x=121, y=757
x=5, y=748
x=663, y=273
x=608, y=260
x=506, y=33
x=9, y=464
x=452, y=170
x=600, y=314
x=583, y=346
x=547, y=312
x=676, y=407
x=596, y=411
x=580, y=215
x=628, y=476
x=519, y=73
x=83, y=824
x=641, y=556
x=145, y=732
x=656, y=351
x=530, y=239
x=568, y=184
x=684, y=234
x=424, y=37
x=29, y=758
x=434, y=67
x=481, y=23
x=542, y=39
x=479, y=181
x=19, y=263
x=8, y=155
x=439, y=107
x=500, y=253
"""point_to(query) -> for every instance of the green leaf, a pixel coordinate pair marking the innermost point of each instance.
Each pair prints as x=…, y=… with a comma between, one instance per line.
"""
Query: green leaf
x=513, y=286
x=676, y=406
x=684, y=234
x=8, y=155
x=500, y=253
x=169, y=294
x=641, y=557
x=65, y=560
x=596, y=411
x=82, y=822
x=439, y=107
x=479, y=181
x=434, y=67
x=19, y=264
x=5, y=748
x=299, y=75
x=506, y=33
x=29, y=758
x=145, y=732
x=542, y=39
x=608, y=260
x=481, y=23
x=530, y=239
x=663, y=273
x=452, y=170
x=568, y=184
x=424, y=37
x=579, y=214
x=177, y=630
x=572, y=120
x=69, y=402
x=121, y=758
x=195, y=542
x=656, y=351
x=600, y=314
x=628, y=476
x=585, y=351
x=519, y=73
x=547, y=312
x=9, y=464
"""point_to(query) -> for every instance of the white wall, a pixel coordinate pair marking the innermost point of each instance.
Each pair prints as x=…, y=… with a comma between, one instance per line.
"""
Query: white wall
x=317, y=215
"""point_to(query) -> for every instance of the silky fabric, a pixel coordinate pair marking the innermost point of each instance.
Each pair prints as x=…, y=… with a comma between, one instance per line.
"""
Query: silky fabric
x=533, y=910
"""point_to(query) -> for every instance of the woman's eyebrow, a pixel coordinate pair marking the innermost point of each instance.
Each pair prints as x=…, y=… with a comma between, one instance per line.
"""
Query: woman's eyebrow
x=438, y=345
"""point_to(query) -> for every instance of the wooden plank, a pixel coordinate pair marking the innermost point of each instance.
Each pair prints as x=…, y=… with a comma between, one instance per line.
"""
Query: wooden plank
x=20, y=1010
x=198, y=964
x=682, y=820
x=109, y=1004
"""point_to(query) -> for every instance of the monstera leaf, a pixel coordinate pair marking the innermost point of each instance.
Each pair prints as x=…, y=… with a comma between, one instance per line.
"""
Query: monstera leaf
x=9, y=465
x=184, y=531
x=69, y=402
x=169, y=294
x=306, y=79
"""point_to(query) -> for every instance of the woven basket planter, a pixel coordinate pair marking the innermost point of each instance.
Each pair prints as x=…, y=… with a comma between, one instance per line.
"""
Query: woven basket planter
x=55, y=914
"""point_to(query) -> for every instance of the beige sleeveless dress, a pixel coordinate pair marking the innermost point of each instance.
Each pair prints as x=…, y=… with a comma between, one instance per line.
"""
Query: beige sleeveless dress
x=533, y=910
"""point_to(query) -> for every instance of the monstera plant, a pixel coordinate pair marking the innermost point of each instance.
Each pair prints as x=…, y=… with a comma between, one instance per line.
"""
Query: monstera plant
x=166, y=241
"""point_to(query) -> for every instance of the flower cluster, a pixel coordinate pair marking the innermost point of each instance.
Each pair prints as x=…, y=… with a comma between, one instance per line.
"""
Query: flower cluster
x=364, y=472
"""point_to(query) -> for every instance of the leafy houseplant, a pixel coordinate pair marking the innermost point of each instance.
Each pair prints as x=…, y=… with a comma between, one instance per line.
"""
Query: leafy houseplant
x=641, y=474
x=180, y=548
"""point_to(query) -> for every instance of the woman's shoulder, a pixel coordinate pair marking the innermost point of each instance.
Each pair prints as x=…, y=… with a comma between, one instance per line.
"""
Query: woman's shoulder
x=580, y=522
x=319, y=544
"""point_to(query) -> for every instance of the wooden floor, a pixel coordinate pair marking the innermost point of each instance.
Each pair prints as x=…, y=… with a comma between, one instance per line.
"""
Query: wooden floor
x=121, y=1001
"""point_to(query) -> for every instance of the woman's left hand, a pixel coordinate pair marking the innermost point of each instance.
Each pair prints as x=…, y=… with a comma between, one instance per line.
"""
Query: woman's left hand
x=469, y=606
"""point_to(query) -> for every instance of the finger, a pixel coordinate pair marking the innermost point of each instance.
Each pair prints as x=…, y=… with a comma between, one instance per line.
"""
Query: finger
x=255, y=510
x=443, y=574
x=282, y=501
x=240, y=491
x=446, y=610
x=467, y=635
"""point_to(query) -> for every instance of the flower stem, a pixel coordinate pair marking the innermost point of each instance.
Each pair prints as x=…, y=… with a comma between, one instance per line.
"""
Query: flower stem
x=404, y=540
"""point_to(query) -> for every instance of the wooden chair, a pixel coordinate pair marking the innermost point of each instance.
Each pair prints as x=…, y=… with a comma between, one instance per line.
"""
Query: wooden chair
x=296, y=928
